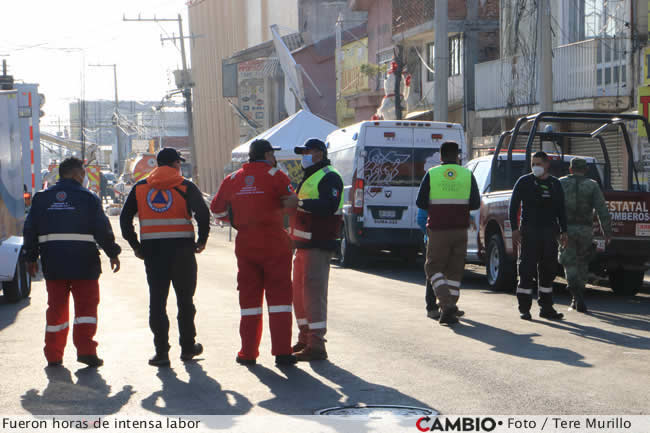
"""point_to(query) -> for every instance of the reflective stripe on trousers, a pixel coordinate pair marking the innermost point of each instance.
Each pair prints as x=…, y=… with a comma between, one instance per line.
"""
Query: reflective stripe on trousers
x=251, y=311
x=56, y=328
x=301, y=234
x=280, y=308
x=318, y=325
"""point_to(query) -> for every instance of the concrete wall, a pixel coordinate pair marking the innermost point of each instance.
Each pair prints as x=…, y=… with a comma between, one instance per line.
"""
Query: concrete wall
x=261, y=14
x=379, y=32
x=408, y=14
x=222, y=26
x=318, y=18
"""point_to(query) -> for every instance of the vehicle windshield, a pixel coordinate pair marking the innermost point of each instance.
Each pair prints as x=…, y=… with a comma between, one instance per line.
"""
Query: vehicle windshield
x=398, y=166
x=558, y=168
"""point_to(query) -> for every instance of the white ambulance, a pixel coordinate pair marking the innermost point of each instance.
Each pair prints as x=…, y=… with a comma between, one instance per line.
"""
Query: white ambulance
x=382, y=164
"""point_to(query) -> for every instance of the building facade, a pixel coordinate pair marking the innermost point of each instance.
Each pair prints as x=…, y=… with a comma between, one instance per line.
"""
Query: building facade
x=597, y=66
x=223, y=30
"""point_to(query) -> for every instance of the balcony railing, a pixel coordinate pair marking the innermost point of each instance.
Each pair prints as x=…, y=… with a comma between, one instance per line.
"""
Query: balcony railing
x=582, y=70
x=455, y=91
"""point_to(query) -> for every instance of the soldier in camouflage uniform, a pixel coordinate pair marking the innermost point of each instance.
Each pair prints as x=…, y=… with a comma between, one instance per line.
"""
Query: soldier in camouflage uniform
x=582, y=196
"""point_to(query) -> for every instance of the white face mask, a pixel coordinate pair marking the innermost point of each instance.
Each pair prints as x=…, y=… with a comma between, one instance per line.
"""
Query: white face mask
x=307, y=161
x=538, y=171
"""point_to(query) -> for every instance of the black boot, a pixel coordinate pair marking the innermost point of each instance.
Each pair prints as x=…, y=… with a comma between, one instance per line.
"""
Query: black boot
x=285, y=360
x=550, y=314
x=90, y=360
x=448, y=316
x=196, y=350
x=160, y=360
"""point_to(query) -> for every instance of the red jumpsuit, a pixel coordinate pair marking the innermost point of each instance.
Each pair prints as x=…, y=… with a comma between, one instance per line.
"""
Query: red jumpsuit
x=250, y=200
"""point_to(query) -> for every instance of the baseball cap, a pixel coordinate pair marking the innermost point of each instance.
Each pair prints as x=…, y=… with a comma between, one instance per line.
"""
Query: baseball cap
x=259, y=147
x=312, y=143
x=578, y=163
x=168, y=155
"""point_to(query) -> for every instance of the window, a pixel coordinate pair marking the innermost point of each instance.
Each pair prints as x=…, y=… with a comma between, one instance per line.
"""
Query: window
x=481, y=174
x=430, y=62
x=389, y=166
x=384, y=57
x=455, y=55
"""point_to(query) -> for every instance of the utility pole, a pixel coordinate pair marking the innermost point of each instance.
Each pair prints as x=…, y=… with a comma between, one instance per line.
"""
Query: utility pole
x=120, y=154
x=545, y=55
x=441, y=61
x=82, y=126
x=185, y=84
x=339, y=55
x=398, y=81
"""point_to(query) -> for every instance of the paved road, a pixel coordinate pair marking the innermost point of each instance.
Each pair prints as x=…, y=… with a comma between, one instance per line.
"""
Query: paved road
x=382, y=349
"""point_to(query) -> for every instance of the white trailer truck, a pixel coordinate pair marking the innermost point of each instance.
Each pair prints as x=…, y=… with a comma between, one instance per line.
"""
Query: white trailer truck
x=15, y=281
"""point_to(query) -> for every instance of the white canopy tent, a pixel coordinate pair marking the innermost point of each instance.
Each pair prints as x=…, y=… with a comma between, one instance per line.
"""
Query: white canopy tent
x=291, y=132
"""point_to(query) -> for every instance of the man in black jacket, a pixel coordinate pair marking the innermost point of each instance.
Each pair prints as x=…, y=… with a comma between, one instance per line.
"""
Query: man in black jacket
x=165, y=203
x=64, y=226
x=543, y=218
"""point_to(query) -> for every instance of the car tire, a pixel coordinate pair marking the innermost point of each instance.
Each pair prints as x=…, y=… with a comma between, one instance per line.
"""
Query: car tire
x=20, y=287
x=626, y=283
x=348, y=253
x=500, y=270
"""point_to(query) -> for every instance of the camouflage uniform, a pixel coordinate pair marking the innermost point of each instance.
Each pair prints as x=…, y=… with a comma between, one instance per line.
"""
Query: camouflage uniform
x=582, y=196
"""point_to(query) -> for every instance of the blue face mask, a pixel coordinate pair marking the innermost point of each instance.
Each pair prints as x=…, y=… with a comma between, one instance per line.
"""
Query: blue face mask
x=307, y=161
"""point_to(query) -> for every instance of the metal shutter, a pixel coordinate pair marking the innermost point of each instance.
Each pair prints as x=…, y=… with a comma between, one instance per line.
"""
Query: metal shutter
x=591, y=147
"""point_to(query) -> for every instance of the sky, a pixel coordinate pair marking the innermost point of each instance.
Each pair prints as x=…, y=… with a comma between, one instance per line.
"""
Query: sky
x=53, y=42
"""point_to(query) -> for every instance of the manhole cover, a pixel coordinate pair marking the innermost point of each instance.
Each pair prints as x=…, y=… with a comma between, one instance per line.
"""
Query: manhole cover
x=377, y=411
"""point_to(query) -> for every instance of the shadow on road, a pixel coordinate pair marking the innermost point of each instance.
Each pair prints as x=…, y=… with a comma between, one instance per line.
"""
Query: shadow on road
x=201, y=395
x=9, y=312
x=359, y=391
x=295, y=393
x=520, y=345
x=90, y=395
x=600, y=335
x=299, y=393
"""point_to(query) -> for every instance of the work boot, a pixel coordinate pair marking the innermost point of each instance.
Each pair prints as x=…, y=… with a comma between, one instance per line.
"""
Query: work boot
x=311, y=354
x=525, y=316
x=551, y=314
x=448, y=316
x=244, y=361
x=57, y=363
x=90, y=360
x=298, y=347
x=196, y=350
x=434, y=314
x=160, y=360
x=285, y=360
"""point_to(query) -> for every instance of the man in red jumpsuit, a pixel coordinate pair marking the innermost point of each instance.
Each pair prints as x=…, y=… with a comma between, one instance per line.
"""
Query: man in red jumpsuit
x=253, y=199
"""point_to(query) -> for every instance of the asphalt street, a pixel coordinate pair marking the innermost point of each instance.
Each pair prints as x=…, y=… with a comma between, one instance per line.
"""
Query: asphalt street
x=382, y=347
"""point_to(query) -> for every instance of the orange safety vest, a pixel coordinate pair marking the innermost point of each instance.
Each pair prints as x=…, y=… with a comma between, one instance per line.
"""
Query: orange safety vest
x=163, y=213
